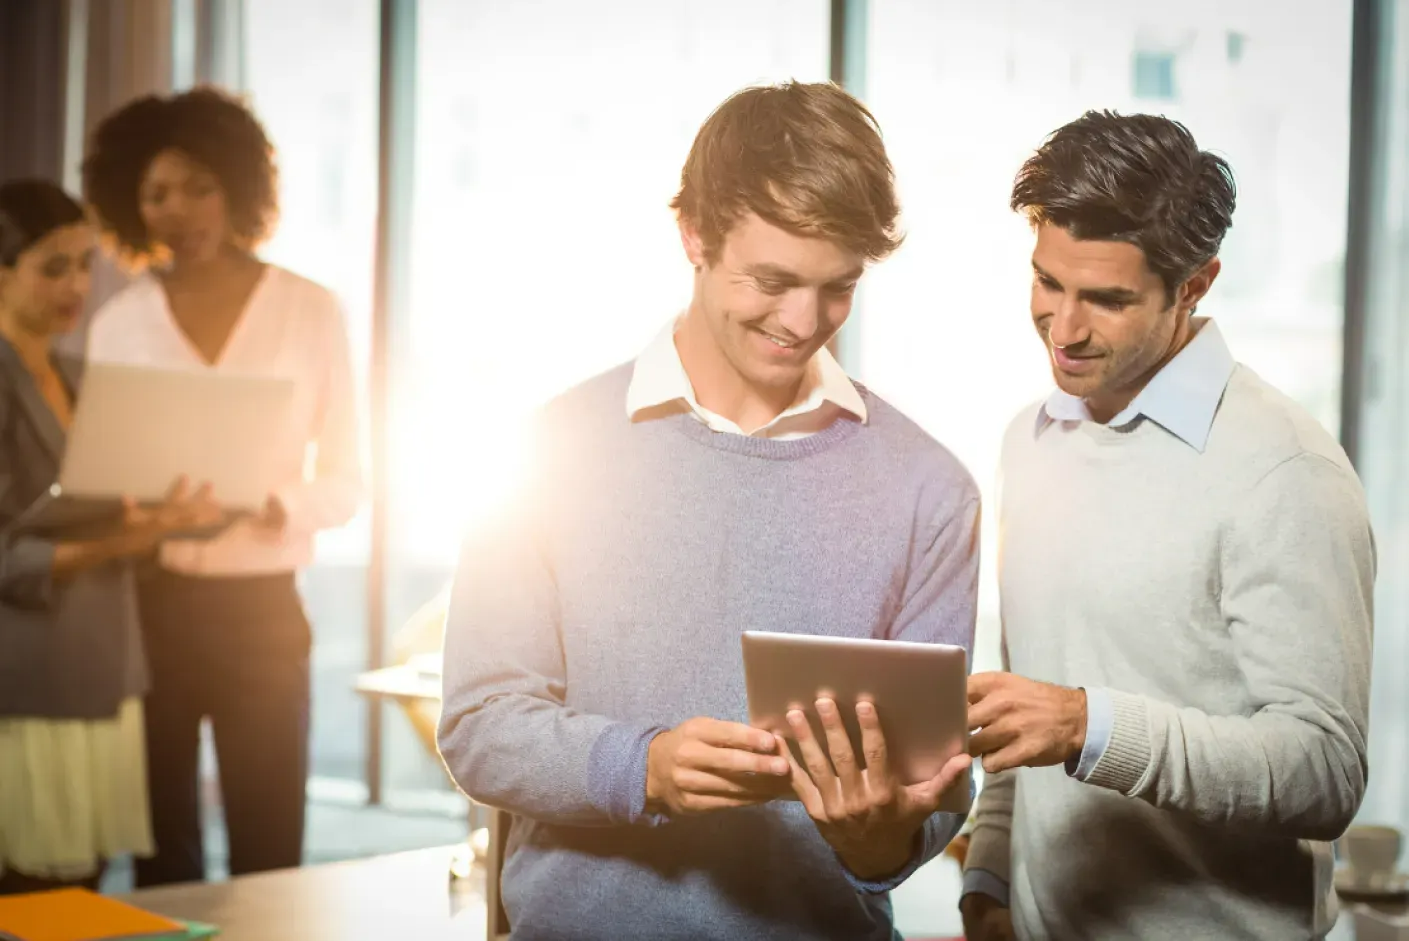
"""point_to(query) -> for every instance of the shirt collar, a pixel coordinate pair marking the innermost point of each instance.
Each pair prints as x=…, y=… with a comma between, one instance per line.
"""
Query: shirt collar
x=1182, y=398
x=658, y=379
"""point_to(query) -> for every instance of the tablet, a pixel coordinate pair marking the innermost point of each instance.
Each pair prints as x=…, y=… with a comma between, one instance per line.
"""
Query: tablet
x=136, y=429
x=920, y=692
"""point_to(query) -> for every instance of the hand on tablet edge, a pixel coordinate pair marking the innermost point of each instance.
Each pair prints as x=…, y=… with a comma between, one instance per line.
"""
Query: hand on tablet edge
x=867, y=816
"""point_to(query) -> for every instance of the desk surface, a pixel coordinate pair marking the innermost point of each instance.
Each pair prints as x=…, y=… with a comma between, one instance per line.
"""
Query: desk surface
x=404, y=895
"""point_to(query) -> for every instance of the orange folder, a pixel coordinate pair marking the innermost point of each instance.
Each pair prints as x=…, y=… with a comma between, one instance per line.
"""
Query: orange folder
x=81, y=915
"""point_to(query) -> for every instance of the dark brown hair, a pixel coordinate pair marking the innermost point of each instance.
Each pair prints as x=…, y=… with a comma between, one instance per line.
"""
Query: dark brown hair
x=212, y=128
x=804, y=157
x=30, y=210
x=1136, y=178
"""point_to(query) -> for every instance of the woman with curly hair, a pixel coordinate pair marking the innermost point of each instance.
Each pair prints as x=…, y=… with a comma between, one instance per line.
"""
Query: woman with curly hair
x=186, y=187
x=72, y=778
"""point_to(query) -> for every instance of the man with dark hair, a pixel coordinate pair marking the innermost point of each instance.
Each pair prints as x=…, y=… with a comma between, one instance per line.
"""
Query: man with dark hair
x=731, y=478
x=1186, y=585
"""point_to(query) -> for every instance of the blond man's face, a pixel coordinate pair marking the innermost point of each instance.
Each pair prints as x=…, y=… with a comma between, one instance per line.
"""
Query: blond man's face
x=771, y=298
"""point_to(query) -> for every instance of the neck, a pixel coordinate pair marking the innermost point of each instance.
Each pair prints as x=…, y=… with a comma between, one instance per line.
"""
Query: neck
x=1103, y=408
x=223, y=264
x=33, y=348
x=718, y=385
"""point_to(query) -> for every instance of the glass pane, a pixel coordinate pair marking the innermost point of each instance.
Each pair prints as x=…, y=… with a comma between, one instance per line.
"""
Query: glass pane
x=550, y=136
x=321, y=113
x=966, y=91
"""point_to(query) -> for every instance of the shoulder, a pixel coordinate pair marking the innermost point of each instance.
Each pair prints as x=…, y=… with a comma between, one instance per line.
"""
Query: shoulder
x=304, y=298
x=1259, y=427
x=913, y=451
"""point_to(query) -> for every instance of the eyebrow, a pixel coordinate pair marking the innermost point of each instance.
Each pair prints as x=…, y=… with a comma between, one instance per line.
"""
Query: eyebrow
x=771, y=272
x=1110, y=295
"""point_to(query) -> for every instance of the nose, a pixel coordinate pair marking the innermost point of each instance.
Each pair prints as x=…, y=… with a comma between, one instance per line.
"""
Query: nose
x=1068, y=325
x=801, y=313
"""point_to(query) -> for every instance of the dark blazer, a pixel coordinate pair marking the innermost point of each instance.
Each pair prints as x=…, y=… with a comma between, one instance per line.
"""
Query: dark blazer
x=70, y=648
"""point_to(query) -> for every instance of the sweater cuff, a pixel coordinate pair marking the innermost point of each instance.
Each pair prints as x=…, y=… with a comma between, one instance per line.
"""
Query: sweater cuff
x=616, y=773
x=983, y=882
x=1127, y=756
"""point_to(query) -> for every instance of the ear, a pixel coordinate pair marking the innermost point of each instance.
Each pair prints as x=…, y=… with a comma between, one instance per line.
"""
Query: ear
x=1192, y=291
x=692, y=243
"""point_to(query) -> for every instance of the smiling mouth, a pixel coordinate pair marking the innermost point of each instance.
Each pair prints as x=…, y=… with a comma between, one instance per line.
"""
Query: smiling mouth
x=777, y=340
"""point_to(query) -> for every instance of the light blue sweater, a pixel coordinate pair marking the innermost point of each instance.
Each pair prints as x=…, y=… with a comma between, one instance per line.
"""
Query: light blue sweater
x=607, y=606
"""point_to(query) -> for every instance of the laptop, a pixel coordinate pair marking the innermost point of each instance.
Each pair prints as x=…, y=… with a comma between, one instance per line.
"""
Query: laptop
x=136, y=429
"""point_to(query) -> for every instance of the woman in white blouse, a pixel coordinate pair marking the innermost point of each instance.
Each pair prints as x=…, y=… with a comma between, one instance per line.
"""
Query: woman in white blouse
x=186, y=186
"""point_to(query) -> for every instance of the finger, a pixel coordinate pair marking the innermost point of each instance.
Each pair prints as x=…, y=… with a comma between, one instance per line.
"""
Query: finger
x=986, y=711
x=177, y=490
x=1004, y=759
x=873, y=745
x=990, y=739
x=929, y=793
x=713, y=760
x=709, y=803
x=803, y=785
x=982, y=684
x=844, y=763
x=815, y=761
x=721, y=734
x=204, y=493
x=753, y=787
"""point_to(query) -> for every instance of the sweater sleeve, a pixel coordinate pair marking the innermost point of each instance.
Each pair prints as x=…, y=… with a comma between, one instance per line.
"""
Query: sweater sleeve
x=506, y=735
x=1298, y=565
x=941, y=606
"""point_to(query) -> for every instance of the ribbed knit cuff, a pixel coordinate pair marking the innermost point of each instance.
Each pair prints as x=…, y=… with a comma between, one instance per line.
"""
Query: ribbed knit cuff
x=982, y=882
x=616, y=773
x=1127, y=756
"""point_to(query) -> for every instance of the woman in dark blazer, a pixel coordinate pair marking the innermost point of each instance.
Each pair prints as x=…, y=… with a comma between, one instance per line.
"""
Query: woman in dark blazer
x=72, y=767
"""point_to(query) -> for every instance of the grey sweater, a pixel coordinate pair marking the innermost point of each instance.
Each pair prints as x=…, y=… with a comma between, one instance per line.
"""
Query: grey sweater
x=1222, y=598
x=607, y=606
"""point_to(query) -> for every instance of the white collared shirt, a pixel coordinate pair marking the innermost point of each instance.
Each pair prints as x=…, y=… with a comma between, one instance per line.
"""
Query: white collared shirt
x=291, y=328
x=660, y=387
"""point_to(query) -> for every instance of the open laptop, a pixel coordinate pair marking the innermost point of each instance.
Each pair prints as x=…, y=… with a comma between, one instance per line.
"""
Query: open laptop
x=136, y=429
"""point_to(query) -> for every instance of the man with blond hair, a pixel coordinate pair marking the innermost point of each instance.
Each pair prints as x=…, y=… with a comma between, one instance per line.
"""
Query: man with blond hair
x=731, y=478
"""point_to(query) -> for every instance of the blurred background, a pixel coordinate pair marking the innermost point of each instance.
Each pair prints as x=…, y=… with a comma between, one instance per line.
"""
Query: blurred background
x=485, y=185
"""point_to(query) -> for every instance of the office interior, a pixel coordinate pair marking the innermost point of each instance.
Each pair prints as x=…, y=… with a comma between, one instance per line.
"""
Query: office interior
x=484, y=184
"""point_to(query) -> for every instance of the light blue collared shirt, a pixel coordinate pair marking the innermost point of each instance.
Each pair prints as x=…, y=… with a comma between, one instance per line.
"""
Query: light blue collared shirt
x=1182, y=398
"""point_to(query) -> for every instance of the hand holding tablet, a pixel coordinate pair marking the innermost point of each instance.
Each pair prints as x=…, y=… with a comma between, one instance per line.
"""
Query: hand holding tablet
x=918, y=690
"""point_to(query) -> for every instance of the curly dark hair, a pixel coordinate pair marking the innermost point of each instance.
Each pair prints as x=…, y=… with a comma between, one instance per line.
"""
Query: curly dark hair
x=1137, y=178
x=211, y=127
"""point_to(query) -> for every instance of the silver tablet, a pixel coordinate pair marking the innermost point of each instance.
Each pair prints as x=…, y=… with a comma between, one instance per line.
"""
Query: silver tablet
x=919, y=690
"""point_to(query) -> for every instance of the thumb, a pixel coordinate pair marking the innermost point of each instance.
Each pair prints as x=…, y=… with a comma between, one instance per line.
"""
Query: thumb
x=930, y=792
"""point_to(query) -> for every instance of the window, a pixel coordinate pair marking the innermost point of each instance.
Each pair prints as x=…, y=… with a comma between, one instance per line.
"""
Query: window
x=320, y=111
x=550, y=136
x=965, y=92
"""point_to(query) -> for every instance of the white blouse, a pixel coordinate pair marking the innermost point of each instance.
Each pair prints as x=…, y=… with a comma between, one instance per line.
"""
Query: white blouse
x=291, y=328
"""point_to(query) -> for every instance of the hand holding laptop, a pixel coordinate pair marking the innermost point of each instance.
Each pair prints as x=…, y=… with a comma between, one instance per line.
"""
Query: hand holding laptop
x=181, y=511
x=141, y=529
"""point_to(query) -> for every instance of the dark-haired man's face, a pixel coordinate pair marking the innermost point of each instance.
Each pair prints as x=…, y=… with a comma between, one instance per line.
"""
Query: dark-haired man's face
x=1106, y=318
x=761, y=310
x=183, y=208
